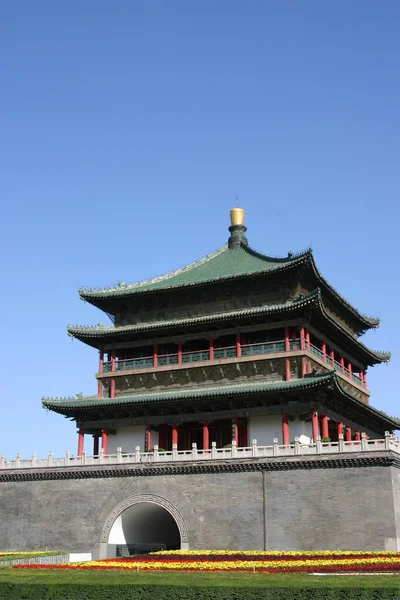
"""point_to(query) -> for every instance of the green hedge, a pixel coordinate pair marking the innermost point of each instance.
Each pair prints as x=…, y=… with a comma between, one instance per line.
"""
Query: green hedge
x=10, y=591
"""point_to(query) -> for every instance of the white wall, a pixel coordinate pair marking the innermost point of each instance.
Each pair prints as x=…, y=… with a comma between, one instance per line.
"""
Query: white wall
x=128, y=438
x=265, y=429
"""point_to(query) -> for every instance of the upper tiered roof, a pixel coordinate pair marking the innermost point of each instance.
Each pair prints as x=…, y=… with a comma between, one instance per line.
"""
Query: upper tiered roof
x=234, y=260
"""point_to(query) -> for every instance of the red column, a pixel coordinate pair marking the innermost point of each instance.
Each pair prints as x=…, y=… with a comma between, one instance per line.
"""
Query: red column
x=302, y=343
x=285, y=430
x=104, y=440
x=350, y=369
x=113, y=360
x=149, y=442
x=308, y=342
x=211, y=348
x=101, y=361
x=342, y=363
x=95, y=445
x=81, y=437
x=332, y=355
x=206, y=436
x=362, y=378
x=99, y=388
x=348, y=434
x=238, y=345
x=155, y=351
x=179, y=353
x=287, y=369
x=243, y=441
x=287, y=340
x=235, y=432
x=174, y=434
x=323, y=348
x=339, y=429
x=303, y=366
x=315, y=426
x=358, y=436
x=112, y=387
x=324, y=427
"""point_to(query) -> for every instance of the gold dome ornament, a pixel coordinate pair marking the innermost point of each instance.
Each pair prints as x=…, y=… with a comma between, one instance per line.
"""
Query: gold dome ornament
x=237, y=216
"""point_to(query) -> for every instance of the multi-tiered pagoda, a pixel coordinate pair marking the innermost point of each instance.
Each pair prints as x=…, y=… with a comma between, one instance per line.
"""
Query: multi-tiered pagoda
x=235, y=347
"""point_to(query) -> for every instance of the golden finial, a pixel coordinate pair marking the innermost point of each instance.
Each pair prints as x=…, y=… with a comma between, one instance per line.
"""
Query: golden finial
x=237, y=216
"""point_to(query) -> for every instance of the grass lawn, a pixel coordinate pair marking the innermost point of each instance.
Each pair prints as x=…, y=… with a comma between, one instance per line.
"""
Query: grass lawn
x=55, y=577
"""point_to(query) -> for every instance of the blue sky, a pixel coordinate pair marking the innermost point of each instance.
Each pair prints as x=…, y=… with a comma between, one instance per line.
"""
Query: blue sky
x=129, y=128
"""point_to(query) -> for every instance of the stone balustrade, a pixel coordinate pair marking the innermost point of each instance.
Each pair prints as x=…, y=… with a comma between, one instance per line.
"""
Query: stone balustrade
x=233, y=453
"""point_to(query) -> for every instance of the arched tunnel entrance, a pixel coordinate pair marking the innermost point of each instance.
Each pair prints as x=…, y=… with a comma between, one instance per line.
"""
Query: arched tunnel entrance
x=143, y=523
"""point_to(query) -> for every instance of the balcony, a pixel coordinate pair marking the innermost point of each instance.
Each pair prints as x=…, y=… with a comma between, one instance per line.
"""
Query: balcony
x=389, y=443
x=231, y=352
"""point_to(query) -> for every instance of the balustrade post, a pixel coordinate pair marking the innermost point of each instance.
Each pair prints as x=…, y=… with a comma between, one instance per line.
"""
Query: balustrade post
x=364, y=445
x=137, y=454
x=254, y=449
x=83, y=457
x=387, y=440
x=66, y=458
x=2, y=462
x=213, y=449
x=233, y=449
x=155, y=453
x=194, y=451
x=318, y=445
x=119, y=455
x=34, y=460
x=296, y=445
x=341, y=442
x=275, y=448
x=18, y=460
x=101, y=456
x=174, y=451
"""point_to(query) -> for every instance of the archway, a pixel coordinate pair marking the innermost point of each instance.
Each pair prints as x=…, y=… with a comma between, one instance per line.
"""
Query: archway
x=143, y=519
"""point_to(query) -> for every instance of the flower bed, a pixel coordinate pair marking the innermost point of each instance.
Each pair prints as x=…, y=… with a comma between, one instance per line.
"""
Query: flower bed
x=245, y=561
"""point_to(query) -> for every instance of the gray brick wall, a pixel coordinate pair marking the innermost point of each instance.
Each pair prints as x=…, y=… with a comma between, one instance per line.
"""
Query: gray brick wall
x=349, y=508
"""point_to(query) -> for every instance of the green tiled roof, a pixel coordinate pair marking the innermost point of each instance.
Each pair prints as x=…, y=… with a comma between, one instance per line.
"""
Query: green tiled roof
x=70, y=406
x=85, y=333
x=225, y=263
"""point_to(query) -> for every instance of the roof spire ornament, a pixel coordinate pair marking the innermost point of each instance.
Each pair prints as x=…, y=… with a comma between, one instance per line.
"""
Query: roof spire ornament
x=237, y=228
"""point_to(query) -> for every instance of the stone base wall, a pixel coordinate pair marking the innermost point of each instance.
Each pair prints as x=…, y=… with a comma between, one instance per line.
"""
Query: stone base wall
x=317, y=508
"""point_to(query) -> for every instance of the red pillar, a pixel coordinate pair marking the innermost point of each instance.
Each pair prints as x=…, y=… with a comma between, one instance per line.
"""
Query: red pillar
x=342, y=363
x=358, y=436
x=155, y=351
x=350, y=369
x=323, y=348
x=211, y=348
x=315, y=426
x=81, y=438
x=99, y=388
x=332, y=355
x=308, y=342
x=206, y=436
x=113, y=360
x=303, y=366
x=112, y=387
x=287, y=340
x=324, y=427
x=243, y=441
x=348, y=434
x=179, y=353
x=302, y=342
x=149, y=442
x=339, y=429
x=174, y=434
x=95, y=445
x=104, y=440
x=285, y=430
x=362, y=378
x=235, y=432
x=238, y=345
x=101, y=361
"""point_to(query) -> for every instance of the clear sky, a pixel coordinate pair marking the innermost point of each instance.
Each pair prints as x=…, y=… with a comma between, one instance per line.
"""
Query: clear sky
x=129, y=127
